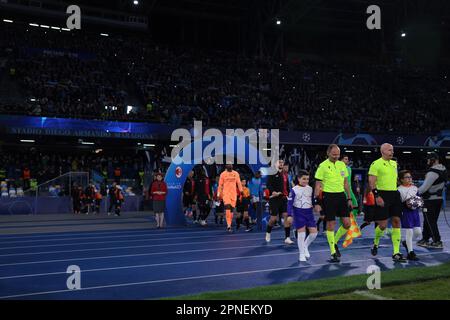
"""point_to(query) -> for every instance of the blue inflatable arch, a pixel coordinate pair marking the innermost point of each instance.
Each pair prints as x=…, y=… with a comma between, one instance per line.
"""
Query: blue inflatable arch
x=177, y=174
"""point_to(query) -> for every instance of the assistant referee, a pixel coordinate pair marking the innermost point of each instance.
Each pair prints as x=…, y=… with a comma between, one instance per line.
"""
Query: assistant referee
x=331, y=178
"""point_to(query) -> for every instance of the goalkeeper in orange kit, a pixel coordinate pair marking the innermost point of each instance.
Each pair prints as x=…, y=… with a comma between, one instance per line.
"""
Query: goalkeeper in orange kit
x=227, y=191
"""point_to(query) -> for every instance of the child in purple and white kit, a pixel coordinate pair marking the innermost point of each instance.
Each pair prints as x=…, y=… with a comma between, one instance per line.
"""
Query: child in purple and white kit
x=301, y=209
x=410, y=217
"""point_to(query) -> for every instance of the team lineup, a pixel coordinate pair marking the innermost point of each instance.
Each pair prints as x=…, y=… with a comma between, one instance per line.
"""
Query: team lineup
x=391, y=201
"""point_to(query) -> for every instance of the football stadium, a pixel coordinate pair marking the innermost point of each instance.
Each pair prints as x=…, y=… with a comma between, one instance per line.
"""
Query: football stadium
x=224, y=150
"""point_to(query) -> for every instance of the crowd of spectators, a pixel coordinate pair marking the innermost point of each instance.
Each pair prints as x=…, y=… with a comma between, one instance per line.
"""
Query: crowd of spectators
x=44, y=165
x=74, y=74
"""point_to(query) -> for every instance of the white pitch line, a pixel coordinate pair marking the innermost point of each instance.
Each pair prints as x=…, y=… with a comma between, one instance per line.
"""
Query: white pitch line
x=133, y=247
x=150, y=229
x=112, y=233
x=244, y=237
x=142, y=246
x=148, y=233
x=185, y=278
x=57, y=235
x=182, y=262
x=370, y=295
x=158, y=264
x=150, y=254
x=261, y=239
x=134, y=255
x=155, y=237
x=136, y=240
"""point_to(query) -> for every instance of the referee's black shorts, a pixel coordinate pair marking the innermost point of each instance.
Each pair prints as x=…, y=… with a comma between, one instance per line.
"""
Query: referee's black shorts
x=278, y=206
x=335, y=205
x=392, y=205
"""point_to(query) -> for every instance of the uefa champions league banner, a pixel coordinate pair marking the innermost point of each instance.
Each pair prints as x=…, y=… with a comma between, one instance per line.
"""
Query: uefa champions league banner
x=27, y=125
x=439, y=140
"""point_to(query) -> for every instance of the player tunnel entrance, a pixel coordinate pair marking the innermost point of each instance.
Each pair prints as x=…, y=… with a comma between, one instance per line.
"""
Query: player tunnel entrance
x=178, y=171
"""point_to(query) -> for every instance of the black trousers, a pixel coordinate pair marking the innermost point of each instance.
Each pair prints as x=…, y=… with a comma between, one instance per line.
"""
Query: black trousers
x=112, y=204
x=431, y=211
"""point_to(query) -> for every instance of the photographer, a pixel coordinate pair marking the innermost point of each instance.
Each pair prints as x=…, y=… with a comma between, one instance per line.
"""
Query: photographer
x=431, y=190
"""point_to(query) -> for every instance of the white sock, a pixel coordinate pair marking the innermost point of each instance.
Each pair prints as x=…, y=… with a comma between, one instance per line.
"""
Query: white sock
x=417, y=233
x=310, y=239
x=157, y=219
x=301, y=242
x=409, y=239
x=161, y=219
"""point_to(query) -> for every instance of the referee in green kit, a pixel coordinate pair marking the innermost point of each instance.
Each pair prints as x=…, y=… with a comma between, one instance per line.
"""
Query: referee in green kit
x=383, y=183
x=331, y=178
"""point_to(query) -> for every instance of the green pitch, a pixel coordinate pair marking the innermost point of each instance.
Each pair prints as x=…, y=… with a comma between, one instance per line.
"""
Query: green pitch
x=411, y=283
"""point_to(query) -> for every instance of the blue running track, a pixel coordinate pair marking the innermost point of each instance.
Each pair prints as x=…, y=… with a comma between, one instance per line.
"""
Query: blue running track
x=149, y=264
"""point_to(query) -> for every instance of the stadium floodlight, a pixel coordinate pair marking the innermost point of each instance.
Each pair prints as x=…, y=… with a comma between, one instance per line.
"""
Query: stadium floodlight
x=278, y=22
x=407, y=152
x=403, y=34
x=45, y=26
x=27, y=141
x=104, y=34
x=367, y=151
x=65, y=29
x=149, y=145
x=56, y=28
x=33, y=24
x=87, y=143
x=135, y=2
x=349, y=151
x=8, y=21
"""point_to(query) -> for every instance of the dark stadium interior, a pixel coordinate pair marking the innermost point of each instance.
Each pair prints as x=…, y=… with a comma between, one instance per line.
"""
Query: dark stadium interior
x=102, y=101
x=230, y=64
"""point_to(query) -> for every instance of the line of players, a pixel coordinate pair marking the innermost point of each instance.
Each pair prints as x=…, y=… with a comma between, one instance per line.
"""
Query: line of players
x=201, y=194
x=331, y=197
x=89, y=200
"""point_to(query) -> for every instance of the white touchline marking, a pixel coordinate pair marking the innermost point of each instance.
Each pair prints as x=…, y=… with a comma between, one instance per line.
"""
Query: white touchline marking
x=370, y=295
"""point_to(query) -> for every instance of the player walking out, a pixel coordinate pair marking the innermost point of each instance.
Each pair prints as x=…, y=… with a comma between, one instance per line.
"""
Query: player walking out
x=243, y=206
x=278, y=186
x=227, y=191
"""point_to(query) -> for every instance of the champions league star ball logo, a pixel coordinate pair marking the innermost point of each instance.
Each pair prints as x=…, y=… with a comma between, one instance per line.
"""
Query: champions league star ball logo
x=355, y=139
x=178, y=172
x=415, y=202
x=306, y=137
x=400, y=140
